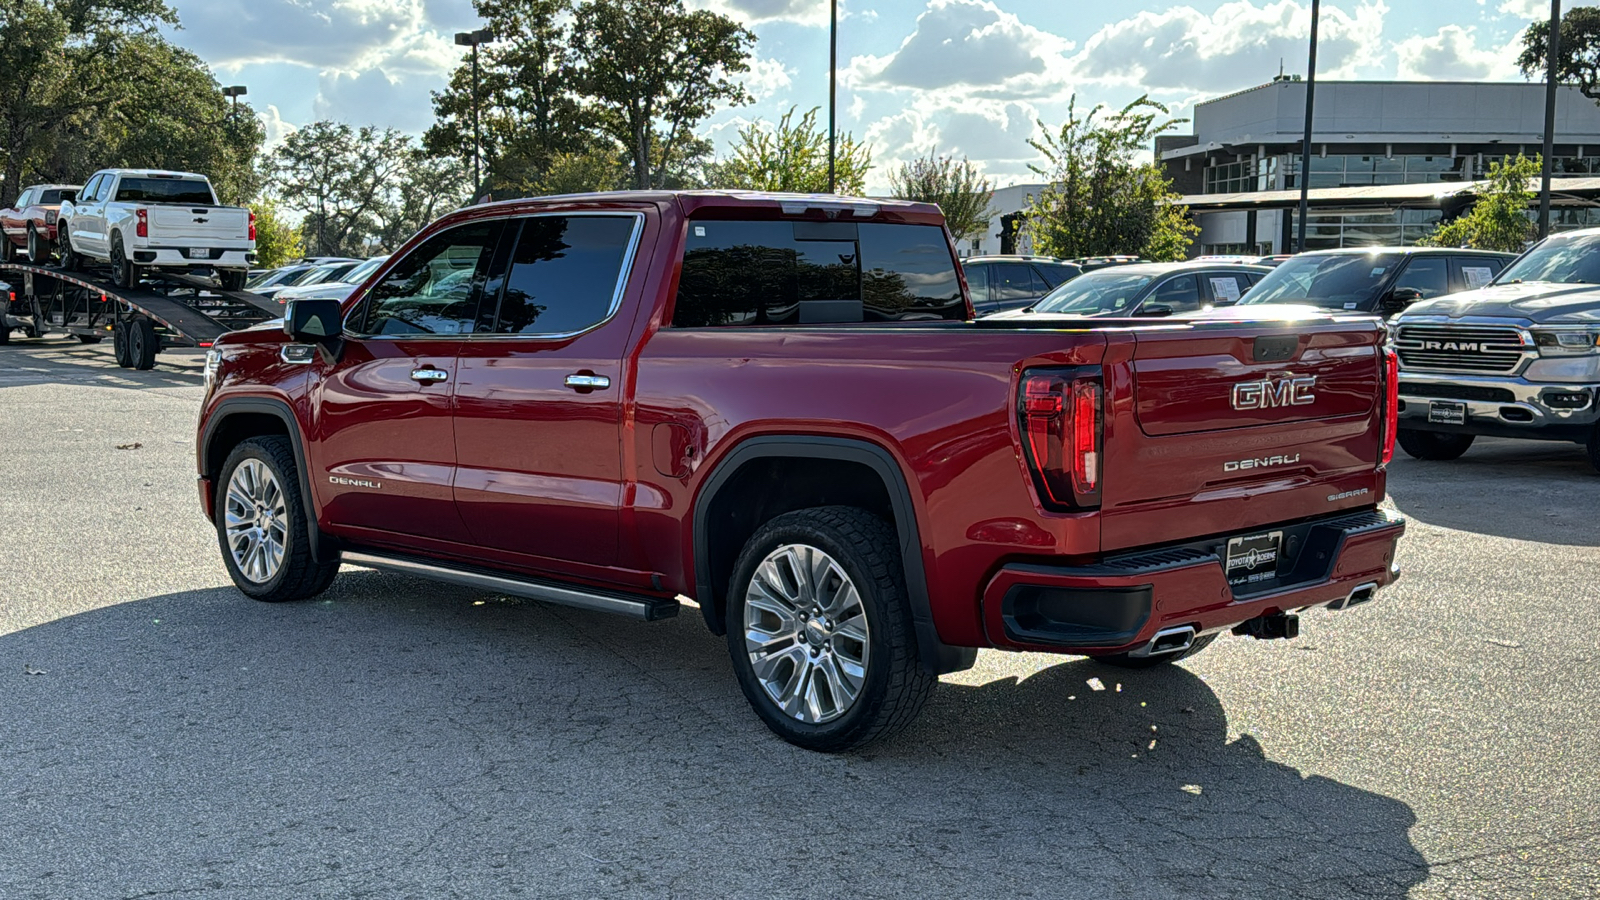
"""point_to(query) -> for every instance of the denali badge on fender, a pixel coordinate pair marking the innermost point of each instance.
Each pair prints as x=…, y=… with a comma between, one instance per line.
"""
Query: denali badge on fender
x=354, y=482
x=1269, y=392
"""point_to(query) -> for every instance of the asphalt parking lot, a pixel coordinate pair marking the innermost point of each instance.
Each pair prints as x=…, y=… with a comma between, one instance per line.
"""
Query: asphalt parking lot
x=161, y=735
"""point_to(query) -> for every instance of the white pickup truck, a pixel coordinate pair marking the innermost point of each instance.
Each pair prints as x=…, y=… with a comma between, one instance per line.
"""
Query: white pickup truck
x=136, y=219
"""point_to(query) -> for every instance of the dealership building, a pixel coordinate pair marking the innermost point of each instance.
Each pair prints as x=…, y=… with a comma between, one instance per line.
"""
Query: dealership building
x=1389, y=159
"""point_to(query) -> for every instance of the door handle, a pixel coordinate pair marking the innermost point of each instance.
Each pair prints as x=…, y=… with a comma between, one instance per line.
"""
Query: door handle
x=429, y=376
x=588, y=382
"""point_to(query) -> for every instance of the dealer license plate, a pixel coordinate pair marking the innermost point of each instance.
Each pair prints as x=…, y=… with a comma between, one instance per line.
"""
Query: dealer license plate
x=1447, y=412
x=199, y=253
x=1253, y=557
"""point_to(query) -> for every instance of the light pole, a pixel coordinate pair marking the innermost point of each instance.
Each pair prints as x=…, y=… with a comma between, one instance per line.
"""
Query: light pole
x=1305, y=145
x=833, y=86
x=1554, y=49
x=473, y=39
x=234, y=92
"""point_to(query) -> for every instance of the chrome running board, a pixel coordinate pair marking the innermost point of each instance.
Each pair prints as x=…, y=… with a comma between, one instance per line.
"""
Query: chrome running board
x=642, y=607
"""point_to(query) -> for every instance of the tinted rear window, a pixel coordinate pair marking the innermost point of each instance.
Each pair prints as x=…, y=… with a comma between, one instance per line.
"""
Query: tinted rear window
x=165, y=190
x=804, y=273
x=54, y=196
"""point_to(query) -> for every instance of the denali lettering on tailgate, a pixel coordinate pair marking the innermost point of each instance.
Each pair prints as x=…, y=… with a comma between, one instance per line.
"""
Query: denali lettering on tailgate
x=1240, y=465
x=1269, y=393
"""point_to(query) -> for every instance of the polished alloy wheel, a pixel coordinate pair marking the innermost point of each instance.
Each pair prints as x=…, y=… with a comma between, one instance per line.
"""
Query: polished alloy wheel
x=806, y=632
x=256, y=520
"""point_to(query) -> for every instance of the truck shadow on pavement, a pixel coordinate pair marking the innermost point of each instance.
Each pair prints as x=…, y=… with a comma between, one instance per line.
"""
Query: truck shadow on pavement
x=1541, y=491
x=400, y=738
x=53, y=361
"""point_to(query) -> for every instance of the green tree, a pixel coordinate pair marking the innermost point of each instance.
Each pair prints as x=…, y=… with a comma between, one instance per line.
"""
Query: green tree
x=1499, y=220
x=529, y=111
x=277, y=241
x=959, y=189
x=1101, y=199
x=91, y=83
x=578, y=173
x=425, y=188
x=791, y=156
x=652, y=70
x=340, y=179
x=1580, y=50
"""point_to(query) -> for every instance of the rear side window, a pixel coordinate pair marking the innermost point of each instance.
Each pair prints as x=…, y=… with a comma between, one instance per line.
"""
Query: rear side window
x=805, y=273
x=564, y=273
x=1017, y=281
x=1055, y=273
x=52, y=197
x=434, y=288
x=1430, y=275
x=978, y=283
x=191, y=191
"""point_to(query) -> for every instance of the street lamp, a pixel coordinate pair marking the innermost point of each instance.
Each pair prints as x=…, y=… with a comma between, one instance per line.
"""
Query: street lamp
x=833, y=87
x=1553, y=50
x=234, y=92
x=1305, y=147
x=473, y=39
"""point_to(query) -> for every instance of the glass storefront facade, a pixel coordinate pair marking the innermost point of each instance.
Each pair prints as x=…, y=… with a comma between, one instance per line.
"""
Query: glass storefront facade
x=1272, y=173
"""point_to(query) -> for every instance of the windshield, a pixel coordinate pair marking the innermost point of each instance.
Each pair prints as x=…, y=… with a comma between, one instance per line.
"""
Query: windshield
x=360, y=272
x=1563, y=259
x=1095, y=293
x=1340, y=281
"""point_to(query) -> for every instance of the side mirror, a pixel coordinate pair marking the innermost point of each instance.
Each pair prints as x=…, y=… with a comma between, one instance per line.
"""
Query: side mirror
x=1153, y=310
x=313, y=321
x=1400, y=298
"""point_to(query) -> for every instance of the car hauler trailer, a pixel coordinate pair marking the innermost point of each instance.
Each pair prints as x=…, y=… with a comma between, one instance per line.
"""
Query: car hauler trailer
x=160, y=313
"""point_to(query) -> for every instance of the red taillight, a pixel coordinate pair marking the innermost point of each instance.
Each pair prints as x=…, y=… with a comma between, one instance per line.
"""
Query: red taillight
x=252, y=225
x=1061, y=429
x=1391, y=403
x=142, y=229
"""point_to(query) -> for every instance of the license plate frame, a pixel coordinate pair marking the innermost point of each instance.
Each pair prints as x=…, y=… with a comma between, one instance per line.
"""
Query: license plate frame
x=1252, y=557
x=199, y=253
x=1447, y=412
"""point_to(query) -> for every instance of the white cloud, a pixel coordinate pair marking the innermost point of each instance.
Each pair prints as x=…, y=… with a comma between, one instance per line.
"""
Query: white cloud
x=1527, y=9
x=275, y=127
x=1238, y=45
x=766, y=77
x=343, y=34
x=373, y=97
x=1453, y=54
x=750, y=12
x=969, y=45
x=992, y=134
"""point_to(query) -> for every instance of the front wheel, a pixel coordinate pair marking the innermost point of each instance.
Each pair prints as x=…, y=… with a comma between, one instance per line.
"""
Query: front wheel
x=69, y=260
x=1433, y=445
x=820, y=630
x=261, y=524
x=124, y=274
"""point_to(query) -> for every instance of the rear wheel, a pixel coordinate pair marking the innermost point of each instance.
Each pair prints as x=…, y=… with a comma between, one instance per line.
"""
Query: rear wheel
x=38, y=248
x=1434, y=445
x=1124, y=661
x=820, y=631
x=119, y=343
x=143, y=343
x=261, y=524
x=89, y=338
x=124, y=273
x=8, y=250
x=231, y=279
x=1594, y=447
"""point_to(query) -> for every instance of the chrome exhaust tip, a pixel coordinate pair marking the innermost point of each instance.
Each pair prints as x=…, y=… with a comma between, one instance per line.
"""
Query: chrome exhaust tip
x=1361, y=594
x=1167, y=640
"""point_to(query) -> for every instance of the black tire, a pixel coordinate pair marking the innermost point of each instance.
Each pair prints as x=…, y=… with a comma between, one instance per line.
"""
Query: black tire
x=5, y=334
x=1433, y=445
x=231, y=279
x=1124, y=661
x=89, y=338
x=119, y=343
x=70, y=260
x=38, y=249
x=894, y=686
x=8, y=250
x=298, y=577
x=1593, y=446
x=143, y=343
x=124, y=274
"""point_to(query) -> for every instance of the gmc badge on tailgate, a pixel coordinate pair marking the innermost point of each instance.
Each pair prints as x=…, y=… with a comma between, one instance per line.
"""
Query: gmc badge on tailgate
x=1268, y=393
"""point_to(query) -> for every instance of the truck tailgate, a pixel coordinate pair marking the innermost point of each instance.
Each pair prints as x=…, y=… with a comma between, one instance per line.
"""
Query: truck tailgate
x=198, y=224
x=1235, y=425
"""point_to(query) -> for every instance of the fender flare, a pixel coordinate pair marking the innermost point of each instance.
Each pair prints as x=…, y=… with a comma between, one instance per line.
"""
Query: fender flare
x=281, y=410
x=936, y=656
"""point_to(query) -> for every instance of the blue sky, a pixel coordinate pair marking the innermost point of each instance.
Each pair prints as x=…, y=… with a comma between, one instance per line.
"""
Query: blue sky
x=972, y=77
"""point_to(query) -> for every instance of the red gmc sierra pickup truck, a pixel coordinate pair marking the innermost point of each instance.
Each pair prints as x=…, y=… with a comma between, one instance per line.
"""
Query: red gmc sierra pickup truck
x=779, y=407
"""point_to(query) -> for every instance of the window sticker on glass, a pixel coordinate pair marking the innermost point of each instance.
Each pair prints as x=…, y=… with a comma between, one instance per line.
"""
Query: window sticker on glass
x=1477, y=276
x=1225, y=288
x=1351, y=304
x=699, y=231
x=1378, y=270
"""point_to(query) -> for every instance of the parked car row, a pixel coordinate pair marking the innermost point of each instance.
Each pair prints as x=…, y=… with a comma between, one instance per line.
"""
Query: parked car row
x=323, y=277
x=135, y=221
